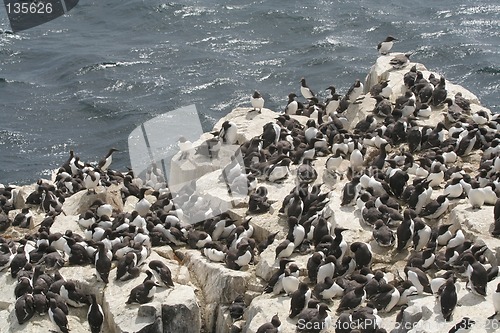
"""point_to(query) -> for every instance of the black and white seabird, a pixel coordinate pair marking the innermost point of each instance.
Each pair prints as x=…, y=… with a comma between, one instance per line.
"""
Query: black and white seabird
x=143, y=293
x=285, y=249
x=106, y=161
x=439, y=93
x=270, y=134
x=333, y=162
x=23, y=286
x=305, y=90
x=352, y=299
x=419, y=279
x=293, y=107
x=327, y=290
x=279, y=171
x=95, y=315
x=306, y=173
x=400, y=60
x=197, y=239
x=296, y=231
x=72, y=296
x=102, y=263
x=321, y=230
x=386, y=45
x=453, y=188
x=333, y=102
x=299, y=300
x=350, y=192
x=421, y=233
x=18, y=261
x=161, y=272
x=435, y=208
x=383, y=106
x=477, y=275
x=91, y=179
x=383, y=235
x=366, y=124
x=24, y=308
x=476, y=195
x=274, y=283
x=290, y=280
x=466, y=143
x=326, y=269
x=214, y=251
x=240, y=257
x=355, y=91
x=229, y=133
x=257, y=101
x=126, y=268
x=386, y=297
x=313, y=264
x=58, y=317
x=41, y=303
x=237, y=308
x=362, y=254
x=448, y=298
x=382, y=89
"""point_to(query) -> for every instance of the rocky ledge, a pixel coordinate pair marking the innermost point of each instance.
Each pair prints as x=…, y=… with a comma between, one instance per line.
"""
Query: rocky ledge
x=430, y=223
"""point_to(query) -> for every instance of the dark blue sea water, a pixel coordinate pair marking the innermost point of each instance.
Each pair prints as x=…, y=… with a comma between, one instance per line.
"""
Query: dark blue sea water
x=55, y=95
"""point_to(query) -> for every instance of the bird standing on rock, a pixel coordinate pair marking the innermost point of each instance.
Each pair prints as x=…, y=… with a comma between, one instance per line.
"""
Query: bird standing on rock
x=448, y=298
x=257, y=101
x=306, y=172
x=386, y=45
x=95, y=315
x=477, y=275
x=299, y=300
x=102, y=263
x=229, y=133
x=58, y=317
x=400, y=61
x=439, y=93
x=143, y=293
x=292, y=106
x=161, y=272
x=355, y=91
x=237, y=308
x=106, y=161
x=304, y=90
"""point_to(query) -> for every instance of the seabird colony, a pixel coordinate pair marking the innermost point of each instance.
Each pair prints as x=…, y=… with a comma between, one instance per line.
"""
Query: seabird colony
x=389, y=163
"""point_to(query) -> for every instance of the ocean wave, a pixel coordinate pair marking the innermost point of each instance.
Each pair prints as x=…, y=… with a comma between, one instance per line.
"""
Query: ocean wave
x=14, y=138
x=489, y=70
x=109, y=64
x=208, y=85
